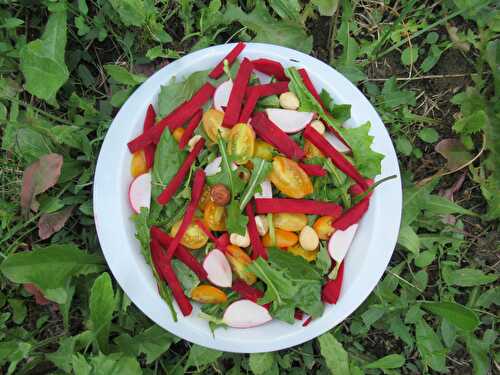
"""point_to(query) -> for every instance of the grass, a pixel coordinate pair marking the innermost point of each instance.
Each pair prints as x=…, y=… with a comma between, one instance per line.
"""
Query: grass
x=431, y=70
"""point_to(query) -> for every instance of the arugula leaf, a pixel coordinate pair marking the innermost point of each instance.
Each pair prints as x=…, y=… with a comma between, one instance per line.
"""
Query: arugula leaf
x=186, y=276
x=236, y=221
x=259, y=173
x=366, y=160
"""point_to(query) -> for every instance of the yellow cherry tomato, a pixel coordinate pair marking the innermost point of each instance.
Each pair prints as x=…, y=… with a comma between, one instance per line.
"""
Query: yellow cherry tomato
x=208, y=294
x=178, y=134
x=289, y=178
x=239, y=261
x=193, y=238
x=283, y=239
x=263, y=150
x=290, y=221
x=214, y=216
x=241, y=142
x=212, y=124
x=323, y=227
x=311, y=150
x=138, y=165
x=205, y=198
x=310, y=256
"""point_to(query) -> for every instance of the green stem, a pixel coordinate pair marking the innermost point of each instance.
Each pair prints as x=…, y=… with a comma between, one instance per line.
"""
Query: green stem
x=371, y=188
x=333, y=275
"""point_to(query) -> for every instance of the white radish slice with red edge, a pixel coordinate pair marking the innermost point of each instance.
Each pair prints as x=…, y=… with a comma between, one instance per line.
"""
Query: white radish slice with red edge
x=218, y=269
x=214, y=166
x=267, y=190
x=289, y=120
x=336, y=143
x=262, y=77
x=139, y=192
x=340, y=241
x=245, y=314
x=221, y=95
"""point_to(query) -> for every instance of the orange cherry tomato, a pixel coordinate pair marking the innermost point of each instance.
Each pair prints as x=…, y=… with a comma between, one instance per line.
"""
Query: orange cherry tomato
x=178, y=134
x=241, y=142
x=289, y=178
x=310, y=256
x=138, y=165
x=263, y=150
x=214, y=216
x=283, y=238
x=212, y=124
x=323, y=227
x=208, y=294
x=311, y=150
x=290, y=221
x=239, y=261
x=193, y=238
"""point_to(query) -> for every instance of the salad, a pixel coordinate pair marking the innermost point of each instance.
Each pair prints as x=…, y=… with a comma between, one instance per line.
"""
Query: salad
x=247, y=192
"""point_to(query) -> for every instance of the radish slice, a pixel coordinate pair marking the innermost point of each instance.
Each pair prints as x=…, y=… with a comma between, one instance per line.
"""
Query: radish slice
x=221, y=95
x=263, y=78
x=245, y=314
x=336, y=143
x=218, y=269
x=214, y=167
x=288, y=120
x=267, y=190
x=139, y=193
x=340, y=241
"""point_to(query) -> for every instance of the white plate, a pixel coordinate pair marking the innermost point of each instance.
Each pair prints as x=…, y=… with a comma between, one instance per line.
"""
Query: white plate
x=365, y=263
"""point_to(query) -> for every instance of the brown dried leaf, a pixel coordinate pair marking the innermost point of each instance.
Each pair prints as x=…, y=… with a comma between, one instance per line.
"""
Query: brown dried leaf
x=38, y=177
x=454, y=152
x=33, y=290
x=448, y=193
x=52, y=223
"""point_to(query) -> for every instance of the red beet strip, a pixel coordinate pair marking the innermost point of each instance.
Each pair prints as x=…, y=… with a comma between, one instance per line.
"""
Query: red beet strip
x=234, y=104
x=258, y=249
x=220, y=242
x=309, y=85
x=197, y=189
x=190, y=128
x=174, y=120
x=165, y=270
x=230, y=57
x=356, y=189
x=149, y=150
x=301, y=206
x=272, y=134
x=257, y=92
x=331, y=290
x=183, y=254
x=246, y=291
x=271, y=68
x=336, y=157
x=307, y=321
x=179, y=178
x=313, y=169
x=352, y=215
x=298, y=315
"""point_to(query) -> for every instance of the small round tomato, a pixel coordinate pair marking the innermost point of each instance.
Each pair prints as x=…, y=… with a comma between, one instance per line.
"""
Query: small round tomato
x=289, y=178
x=138, y=165
x=263, y=150
x=283, y=238
x=241, y=142
x=214, y=216
x=212, y=124
x=208, y=294
x=299, y=251
x=193, y=238
x=239, y=261
x=289, y=221
x=311, y=150
x=323, y=227
x=178, y=134
x=205, y=198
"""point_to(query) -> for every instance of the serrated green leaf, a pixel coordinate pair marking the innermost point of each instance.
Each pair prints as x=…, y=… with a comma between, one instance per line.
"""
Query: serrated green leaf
x=335, y=356
x=123, y=76
x=390, y=361
x=429, y=345
x=199, y=356
x=132, y=12
x=261, y=363
x=457, y=314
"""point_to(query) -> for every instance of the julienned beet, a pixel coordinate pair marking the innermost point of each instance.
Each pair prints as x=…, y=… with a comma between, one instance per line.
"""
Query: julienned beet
x=270, y=165
x=430, y=70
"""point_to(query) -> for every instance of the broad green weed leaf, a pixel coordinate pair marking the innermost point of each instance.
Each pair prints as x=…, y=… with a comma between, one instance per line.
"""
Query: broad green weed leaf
x=480, y=351
x=19, y=310
x=50, y=268
x=409, y=55
x=200, y=356
x=115, y=364
x=468, y=277
x=409, y=239
x=63, y=356
x=13, y=352
x=326, y=7
x=261, y=363
x=428, y=135
x=123, y=76
x=454, y=152
x=288, y=9
x=102, y=304
x=390, y=361
x=335, y=356
x=42, y=60
x=394, y=97
x=132, y=12
x=80, y=365
x=442, y=206
x=457, y=314
x=429, y=345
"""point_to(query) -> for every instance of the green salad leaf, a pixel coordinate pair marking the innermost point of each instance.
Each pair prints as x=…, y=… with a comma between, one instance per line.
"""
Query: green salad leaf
x=261, y=169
